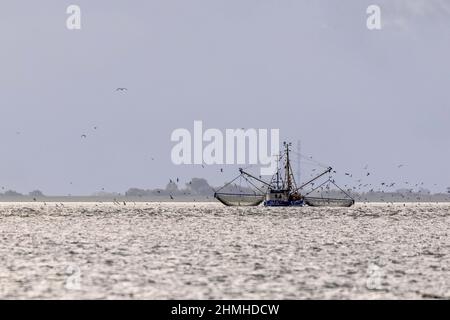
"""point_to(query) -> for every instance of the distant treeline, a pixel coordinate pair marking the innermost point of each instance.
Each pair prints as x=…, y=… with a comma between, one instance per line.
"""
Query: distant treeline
x=197, y=186
x=12, y=193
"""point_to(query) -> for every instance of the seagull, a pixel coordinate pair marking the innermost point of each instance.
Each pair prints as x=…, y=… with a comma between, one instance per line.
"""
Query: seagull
x=121, y=89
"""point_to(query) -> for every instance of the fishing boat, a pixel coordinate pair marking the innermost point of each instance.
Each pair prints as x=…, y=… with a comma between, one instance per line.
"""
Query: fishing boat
x=282, y=190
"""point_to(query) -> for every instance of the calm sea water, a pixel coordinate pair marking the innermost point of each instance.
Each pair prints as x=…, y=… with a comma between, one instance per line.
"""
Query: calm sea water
x=208, y=251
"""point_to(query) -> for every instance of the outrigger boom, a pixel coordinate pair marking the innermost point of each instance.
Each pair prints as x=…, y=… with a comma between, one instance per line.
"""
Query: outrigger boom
x=314, y=179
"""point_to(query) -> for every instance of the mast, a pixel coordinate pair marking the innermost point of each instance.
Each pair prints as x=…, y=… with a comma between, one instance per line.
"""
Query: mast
x=288, y=167
x=278, y=171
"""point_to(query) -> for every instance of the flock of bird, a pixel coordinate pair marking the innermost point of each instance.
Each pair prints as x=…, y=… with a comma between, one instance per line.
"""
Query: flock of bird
x=357, y=187
x=365, y=191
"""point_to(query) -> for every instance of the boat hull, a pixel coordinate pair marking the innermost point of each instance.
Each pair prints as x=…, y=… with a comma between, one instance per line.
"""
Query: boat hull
x=284, y=203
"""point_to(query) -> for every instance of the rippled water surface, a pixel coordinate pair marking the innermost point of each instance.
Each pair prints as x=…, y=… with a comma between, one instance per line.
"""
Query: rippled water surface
x=208, y=251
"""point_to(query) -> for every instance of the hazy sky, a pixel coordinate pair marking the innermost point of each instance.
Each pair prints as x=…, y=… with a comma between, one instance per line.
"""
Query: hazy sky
x=310, y=68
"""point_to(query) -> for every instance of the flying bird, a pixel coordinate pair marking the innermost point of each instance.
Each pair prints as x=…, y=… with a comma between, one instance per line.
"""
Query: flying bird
x=121, y=89
x=83, y=136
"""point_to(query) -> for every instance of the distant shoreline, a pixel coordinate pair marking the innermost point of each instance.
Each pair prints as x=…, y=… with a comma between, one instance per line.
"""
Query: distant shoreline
x=200, y=198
